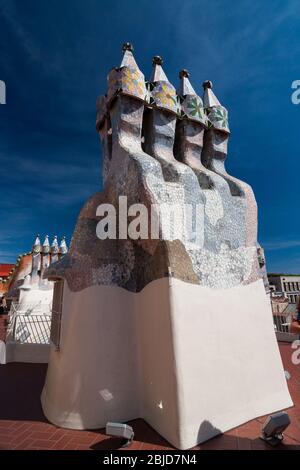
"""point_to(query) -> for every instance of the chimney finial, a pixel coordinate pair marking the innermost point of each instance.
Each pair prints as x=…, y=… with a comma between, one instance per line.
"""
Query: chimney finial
x=184, y=73
x=157, y=60
x=127, y=46
x=207, y=84
x=63, y=249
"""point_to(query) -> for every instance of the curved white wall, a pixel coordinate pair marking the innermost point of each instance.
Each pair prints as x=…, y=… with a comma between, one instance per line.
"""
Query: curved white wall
x=229, y=367
x=192, y=361
x=92, y=378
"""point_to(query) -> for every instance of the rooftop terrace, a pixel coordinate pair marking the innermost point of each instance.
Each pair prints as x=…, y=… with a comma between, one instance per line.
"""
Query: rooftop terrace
x=23, y=425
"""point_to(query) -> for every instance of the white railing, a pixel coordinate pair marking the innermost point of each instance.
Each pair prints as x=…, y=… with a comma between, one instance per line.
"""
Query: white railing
x=29, y=323
x=29, y=329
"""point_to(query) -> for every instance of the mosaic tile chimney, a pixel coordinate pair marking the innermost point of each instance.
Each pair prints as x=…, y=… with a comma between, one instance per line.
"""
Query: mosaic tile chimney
x=176, y=328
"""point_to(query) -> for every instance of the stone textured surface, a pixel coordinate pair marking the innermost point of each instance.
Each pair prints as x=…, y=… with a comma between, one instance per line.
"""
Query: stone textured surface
x=165, y=148
x=157, y=321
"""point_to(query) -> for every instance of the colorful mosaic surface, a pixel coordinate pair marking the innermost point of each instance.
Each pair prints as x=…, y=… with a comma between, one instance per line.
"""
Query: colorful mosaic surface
x=166, y=156
x=192, y=107
x=164, y=96
x=218, y=117
x=127, y=80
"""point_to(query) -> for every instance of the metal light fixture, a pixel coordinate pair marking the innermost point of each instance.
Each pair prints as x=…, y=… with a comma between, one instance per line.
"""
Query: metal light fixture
x=272, y=431
x=123, y=431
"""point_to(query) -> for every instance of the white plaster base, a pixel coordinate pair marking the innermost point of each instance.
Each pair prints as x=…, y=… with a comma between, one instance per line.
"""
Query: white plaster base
x=27, y=352
x=192, y=361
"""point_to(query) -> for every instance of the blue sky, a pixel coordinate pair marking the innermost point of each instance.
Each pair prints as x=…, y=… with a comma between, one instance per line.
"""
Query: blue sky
x=55, y=57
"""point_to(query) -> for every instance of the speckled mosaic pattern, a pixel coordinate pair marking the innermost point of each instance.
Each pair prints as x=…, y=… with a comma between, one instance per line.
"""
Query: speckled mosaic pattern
x=101, y=107
x=127, y=79
x=160, y=149
x=192, y=108
x=262, y=266
x=218, y=118
x=164, y=97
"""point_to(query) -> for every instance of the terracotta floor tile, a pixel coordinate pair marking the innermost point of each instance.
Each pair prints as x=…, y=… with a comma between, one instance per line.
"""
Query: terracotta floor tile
x=70, y=446
x=42, y=435
x=81, y=440
x=23, y=425
x=25, y=444
x=19, y=437
x=221, y=443
x=62, y=442
x=244, y=444
x=43, y=443
x=147, y=447
x=6, y=447
x=81, y=447
x=135, y=445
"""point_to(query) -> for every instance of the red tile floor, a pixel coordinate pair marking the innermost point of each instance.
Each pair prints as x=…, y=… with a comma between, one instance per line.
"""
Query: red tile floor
x=23, y=425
